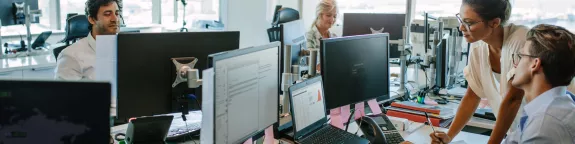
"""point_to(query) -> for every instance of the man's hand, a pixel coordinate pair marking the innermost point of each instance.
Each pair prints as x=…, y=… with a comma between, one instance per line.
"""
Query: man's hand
x=439, y=137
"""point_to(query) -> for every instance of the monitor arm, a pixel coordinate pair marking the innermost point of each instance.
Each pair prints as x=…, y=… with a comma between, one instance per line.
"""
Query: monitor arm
x=186, y=73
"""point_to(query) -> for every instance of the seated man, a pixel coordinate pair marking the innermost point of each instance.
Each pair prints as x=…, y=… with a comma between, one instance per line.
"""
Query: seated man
x=76, y=62
x=544, y=69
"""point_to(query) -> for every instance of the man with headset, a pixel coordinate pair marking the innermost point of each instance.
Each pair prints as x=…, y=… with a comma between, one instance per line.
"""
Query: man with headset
x=76, y=62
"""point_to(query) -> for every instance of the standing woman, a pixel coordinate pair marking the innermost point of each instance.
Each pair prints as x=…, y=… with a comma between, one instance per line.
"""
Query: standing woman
x=326, y=14
x=490, y=69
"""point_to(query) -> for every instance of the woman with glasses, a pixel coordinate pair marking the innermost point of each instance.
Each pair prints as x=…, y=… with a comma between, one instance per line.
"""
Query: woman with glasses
x=493, y=42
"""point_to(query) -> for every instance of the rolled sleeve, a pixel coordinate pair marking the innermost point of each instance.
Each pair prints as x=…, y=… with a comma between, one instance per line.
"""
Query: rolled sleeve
x=472, y=72
x=68, y=67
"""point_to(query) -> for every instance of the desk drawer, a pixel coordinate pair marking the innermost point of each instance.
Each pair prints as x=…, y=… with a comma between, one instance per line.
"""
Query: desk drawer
x=43, y=73
x=17, y=74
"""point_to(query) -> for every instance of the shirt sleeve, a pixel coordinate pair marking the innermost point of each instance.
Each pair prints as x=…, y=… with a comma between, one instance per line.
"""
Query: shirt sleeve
x=68, y=67
x=545, y=129
x=472, y=71
x=311, y=42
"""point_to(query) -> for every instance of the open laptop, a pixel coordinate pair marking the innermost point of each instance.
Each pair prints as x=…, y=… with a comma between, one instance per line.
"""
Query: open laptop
x=54, y=112
x=309, y=116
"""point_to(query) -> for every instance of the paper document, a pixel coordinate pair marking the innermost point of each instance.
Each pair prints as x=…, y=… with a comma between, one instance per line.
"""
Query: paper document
x=375, y=109
x=106, y=62
x=335, y=115
x=345, y=112
x=359, y=110
x=269, y=135
x=207, y=131
x=459, y=142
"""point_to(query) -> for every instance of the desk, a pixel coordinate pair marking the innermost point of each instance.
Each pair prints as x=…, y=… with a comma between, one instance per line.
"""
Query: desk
x=421, y=136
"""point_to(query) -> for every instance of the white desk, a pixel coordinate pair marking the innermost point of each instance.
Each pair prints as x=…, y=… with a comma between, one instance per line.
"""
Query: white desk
x=421, y=136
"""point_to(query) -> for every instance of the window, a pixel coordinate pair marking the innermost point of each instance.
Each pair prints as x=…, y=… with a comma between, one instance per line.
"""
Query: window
x=71, y=6
x=137, y=12
x=44, y=5
x=555, y=12
x=198, y=13
x=436, y=8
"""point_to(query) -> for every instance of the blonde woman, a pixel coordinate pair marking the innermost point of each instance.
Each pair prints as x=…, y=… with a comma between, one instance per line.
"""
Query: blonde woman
x=326, y=13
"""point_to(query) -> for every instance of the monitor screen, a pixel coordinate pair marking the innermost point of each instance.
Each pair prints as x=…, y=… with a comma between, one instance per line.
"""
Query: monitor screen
x=308, y=105
x=246, y=98
x=355, y=69
x=54, y=112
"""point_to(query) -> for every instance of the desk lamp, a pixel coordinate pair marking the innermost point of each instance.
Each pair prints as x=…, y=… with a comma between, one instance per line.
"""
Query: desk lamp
x=186, y=73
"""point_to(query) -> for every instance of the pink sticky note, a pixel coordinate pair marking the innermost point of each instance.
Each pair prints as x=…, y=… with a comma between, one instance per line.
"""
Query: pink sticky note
x=335, y=115
x=269, y=138
x=374, y=106
x=429, y=101
x=345, y=112
x=359, y=110
x=249, y=141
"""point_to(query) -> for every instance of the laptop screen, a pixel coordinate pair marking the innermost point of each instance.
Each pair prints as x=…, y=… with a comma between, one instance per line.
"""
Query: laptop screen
x=308, y=105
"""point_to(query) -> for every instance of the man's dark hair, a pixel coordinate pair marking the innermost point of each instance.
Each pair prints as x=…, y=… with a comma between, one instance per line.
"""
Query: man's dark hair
x=491, y=9
x=555, y=46
x=92, y=7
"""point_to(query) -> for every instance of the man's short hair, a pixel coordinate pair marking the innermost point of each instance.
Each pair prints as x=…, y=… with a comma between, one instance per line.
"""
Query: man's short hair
x=555, y=46
x=92, y=7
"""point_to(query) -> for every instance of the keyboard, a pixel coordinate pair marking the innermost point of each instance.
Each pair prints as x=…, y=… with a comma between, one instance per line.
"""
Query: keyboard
x=178, y=129
x=328, y=135
x=393, y=137
x=178, y=132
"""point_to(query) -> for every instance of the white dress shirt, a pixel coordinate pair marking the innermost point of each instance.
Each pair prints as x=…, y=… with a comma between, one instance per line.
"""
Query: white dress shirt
x=76, y=62
x=549, y=118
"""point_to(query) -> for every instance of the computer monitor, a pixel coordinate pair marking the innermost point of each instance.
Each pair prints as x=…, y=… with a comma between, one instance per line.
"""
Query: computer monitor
x=146, y=72
x=54, y=112
x=366, y=23
x=355, y=69
x=246, y=99
x=442, y=63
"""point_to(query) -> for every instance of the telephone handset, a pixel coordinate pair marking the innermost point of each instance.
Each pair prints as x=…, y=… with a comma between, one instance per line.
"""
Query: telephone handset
x=379, y=129
x=371, y=130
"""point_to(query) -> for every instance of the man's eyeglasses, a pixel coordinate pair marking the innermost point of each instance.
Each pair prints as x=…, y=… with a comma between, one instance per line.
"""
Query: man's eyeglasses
x=466, y=24
x=517, y=57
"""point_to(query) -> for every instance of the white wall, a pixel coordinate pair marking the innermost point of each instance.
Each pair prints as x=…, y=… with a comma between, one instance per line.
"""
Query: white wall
x=248, y=17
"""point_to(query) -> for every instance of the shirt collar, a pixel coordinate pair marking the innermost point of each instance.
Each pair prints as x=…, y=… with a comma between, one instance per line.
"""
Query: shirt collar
x=318, y=35
x=542, y=101
x=91, y=41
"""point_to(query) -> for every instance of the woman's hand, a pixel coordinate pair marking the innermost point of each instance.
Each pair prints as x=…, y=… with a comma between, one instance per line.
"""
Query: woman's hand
x=439, y=137
x=406, y=142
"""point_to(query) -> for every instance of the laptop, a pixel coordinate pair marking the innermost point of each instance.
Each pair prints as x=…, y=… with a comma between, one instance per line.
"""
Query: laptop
x=34, y=112
x=41, y=39
x=309, y=116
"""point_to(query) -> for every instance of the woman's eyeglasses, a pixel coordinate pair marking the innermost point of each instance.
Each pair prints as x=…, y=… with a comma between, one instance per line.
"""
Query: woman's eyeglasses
x=466, y=24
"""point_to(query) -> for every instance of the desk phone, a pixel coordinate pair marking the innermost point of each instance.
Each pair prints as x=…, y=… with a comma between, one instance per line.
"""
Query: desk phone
x=379, y=129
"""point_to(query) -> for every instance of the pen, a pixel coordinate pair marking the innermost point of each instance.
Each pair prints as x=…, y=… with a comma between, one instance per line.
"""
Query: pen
x=429, y=121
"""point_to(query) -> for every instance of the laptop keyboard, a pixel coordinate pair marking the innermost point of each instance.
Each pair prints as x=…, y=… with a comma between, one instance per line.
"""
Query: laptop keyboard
x=393, y=137
x=328, y=135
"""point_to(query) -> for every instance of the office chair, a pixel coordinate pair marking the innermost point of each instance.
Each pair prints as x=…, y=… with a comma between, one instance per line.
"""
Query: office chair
x=281, y=15
x=76, y=28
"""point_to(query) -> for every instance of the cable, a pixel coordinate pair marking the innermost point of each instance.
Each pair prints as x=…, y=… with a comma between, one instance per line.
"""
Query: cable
x=349, y=119
x=359, y=127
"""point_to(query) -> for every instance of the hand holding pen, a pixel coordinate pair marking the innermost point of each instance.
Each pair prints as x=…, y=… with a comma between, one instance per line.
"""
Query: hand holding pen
x=437, y=137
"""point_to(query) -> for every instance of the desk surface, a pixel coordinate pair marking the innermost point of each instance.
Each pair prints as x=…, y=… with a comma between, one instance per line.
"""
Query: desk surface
x=421, y=136
x=27, y=62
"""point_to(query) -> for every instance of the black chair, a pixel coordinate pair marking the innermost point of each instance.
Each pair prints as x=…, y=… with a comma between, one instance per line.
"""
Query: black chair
x=76, y=28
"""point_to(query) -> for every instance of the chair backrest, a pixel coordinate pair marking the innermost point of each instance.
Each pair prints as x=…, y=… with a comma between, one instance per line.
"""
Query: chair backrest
x=76, y=27
x=58, y=50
